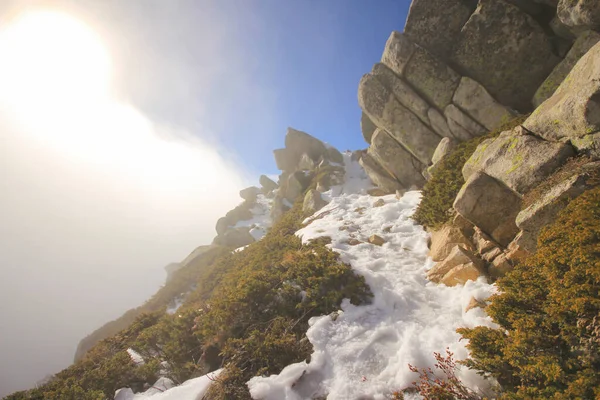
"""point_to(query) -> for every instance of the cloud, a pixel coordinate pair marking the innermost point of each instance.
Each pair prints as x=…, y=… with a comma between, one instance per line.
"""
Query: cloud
x=96, y=199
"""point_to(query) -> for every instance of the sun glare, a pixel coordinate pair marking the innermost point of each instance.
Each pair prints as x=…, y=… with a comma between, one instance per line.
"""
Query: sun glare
x=48, y=58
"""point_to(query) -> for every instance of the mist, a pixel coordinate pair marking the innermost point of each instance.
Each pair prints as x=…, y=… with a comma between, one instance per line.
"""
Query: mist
x=96, y=197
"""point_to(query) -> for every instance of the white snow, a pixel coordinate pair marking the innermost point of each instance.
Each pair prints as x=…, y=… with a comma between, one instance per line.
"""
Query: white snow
x=193, y=389
x=365, y=352
x=175, y=304
x=261, y=220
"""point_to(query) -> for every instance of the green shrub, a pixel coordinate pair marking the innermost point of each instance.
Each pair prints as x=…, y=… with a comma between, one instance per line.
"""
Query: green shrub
x=548, y=344
x=441, y=190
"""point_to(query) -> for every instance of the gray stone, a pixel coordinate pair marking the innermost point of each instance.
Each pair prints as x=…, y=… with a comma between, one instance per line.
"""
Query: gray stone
x=267, y=183
x=457, y=256
x=403, y=92
x=436, y=24
x=581, y=46
x=444, y=148
x=299, y=143
x=306, y=163
x=438, y=123
x=234, y=238
x=473, y=99
x=334, y=155
x=284, y=159
x=293, y=188
x=580, y=13
x=506, y=51
x=544, y=210
x=222, y=225
x=574, y=108
x=378, y=175
x=433, y=79
x=463, y=273
x=444, y=241
x=313, y=202
x=458, y=132
x=382, y=107
x=367, y=127
x=454, y=114
x=376, y=240
x=250, y=193
x=397, y=52
x=519, y=161
x=490, y=205
x=396, y=159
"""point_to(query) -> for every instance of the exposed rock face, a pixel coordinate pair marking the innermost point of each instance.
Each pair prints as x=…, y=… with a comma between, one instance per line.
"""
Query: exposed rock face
x=462, y=273
x=427, y=14
x=490, y=205
x=313, y=202
x=405, y=168
x=267, y=183
x=300, y=143
x=386, y=112
x=398, y=51
x=581, y=46
x=472, y=98
x=520, y=161
x=580, y=13
x=574, y=109
x=505, y=50
x=367, y=127
x=438, y=123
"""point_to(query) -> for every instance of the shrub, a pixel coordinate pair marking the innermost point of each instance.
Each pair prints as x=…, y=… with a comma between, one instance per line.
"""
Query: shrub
x=549, y=337
x=441, y=190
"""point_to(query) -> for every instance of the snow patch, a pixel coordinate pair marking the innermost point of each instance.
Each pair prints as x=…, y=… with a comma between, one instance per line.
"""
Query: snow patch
x=135, y=356
x=163, y=389
x=365, y=352
x=261, y=220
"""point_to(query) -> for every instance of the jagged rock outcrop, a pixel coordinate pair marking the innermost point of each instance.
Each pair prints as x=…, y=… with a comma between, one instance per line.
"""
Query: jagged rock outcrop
x=268, y=185
x=313, y=202
x=582, y=14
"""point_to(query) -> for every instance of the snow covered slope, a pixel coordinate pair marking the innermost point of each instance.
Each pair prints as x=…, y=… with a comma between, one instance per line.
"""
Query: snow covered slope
x=364, y=352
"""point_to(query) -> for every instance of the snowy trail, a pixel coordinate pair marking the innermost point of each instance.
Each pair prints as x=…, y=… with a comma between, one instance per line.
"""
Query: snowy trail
x=364, y=353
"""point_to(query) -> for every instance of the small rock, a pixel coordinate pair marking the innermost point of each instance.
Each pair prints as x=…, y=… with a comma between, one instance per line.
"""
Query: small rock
x=500, y=266
x=460, y=274
x=399, y=194
x=387, y=229
x=376, y=192
x=444, y=241
x=376, y=240
x=379, y=203
x=474, y=303
x=490, y=255
x=353, y=242
x=458, y=256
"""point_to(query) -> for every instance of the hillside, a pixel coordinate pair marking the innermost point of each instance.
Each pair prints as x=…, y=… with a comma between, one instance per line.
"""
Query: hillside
x=457, y=257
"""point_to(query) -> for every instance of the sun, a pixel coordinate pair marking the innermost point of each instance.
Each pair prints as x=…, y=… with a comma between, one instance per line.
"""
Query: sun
x=49, y=59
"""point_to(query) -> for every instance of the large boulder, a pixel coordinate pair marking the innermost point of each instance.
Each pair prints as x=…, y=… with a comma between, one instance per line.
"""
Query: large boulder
x=438, y=123
x=574, y=109
x=382, y=107
x=490, y=205
x=462, y=273
x=250, y=193
x=294, y=187
x=402, y=90
x=397, y=52
x=378, y=175
x=267, y=183
x=394, y=158
x=505, y=50
x=444, y=148
x=431, y=77
x=544, y=210
x=284, y=159
x=299, y=143
x=367, y=127
x=472, y=98
x=445, y=240
x=520, y=161
x=456, y=116
x=313, y=202
x=238, y=237
x=426, y=19
x=580, y=13
x=334, y=155
x=457, y=256
x=581, y=46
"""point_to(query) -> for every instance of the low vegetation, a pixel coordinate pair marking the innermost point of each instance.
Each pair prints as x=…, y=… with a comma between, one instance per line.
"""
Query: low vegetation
x=249, y=312
x=441, y=190
x=548, y=311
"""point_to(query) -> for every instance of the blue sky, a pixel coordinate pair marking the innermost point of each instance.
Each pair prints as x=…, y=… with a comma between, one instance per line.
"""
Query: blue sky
x=246, y=70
